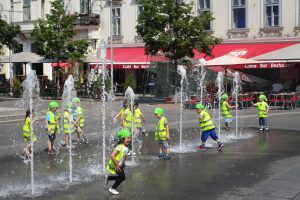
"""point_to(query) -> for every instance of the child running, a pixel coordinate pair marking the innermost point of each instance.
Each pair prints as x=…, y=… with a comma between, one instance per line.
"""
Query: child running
x=162, y=134
x=52, y=125
x=121, y=113
x=207, y=127
x=263, y=110
x=225, y=110
x=116, y=164
x=69, y=124
x=138, y=117
x=27, y=132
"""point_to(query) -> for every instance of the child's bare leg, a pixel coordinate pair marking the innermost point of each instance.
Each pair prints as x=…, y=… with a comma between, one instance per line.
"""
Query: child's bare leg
x=49, y=145
x=67, y=140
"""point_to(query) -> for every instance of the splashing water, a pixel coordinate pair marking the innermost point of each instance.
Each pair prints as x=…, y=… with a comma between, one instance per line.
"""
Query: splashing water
x=67, y=96
x=219, y=82
x=103, y=97
x=31, y=90
x=182, y=72
x=129, y=95
x=201, y=77
x=237, y=84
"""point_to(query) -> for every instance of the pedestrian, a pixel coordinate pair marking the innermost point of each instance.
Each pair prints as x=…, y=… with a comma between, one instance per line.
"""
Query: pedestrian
x=207, y=127
x=78, y=117
x=52, y=125
x=225, y=110
x=162, y=134
x=28, y=134
x=69, y=124
x=263, y=110
x=138, y=117
x=121, y=113
x=116, y=164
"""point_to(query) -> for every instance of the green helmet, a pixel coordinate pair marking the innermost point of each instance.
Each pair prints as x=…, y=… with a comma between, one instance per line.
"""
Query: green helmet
x=262, y=96
x=159, y=111
x=123, y=134
x=200, y=106
x=53, y=104
x=224, y=96
x=76, y=100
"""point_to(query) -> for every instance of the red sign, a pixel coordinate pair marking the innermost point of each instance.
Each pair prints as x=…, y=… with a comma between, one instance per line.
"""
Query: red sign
x=262, y=66
x=122, y=66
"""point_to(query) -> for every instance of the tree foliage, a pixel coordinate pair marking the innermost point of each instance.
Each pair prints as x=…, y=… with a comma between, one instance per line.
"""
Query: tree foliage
x=168, y=26
x=54, y=36
x=8, y=34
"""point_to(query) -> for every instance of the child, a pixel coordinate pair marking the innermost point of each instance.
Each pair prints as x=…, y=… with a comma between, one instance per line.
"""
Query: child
x=127, y=119
x=207, y=127
x=162, y=134
x=116, y=164
x=78, y=117
x=263, y=110
x=225, y=110
x=68, y=124
x=52, y=125
x=27, y=133
x=121, y=113
x=138, y=117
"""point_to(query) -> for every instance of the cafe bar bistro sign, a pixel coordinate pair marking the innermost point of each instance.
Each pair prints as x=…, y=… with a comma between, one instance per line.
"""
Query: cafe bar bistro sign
x=263, y=65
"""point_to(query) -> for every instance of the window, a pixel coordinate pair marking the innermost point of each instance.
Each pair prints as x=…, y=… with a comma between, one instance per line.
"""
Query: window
x=238, y=14
x=272, y=13
x=204, y=6
x=84, y=6
x=26, y=10
x=139, y=9
x=116, y=21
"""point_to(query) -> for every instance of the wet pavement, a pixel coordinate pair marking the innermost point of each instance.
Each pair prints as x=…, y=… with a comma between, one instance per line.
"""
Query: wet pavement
x=254, y=166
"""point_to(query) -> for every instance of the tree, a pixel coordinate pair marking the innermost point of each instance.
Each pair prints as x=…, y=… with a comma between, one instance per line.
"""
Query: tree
x=168, y=26
x=54, y=36
x=8, y=34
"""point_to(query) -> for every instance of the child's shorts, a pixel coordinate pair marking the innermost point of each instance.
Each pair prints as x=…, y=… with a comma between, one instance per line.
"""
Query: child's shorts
x=263, y=121
x=51, y=137
x=164, y=144
x=212, y=133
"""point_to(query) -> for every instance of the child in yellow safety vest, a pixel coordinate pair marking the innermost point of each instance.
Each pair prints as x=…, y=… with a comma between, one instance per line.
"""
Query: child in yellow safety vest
x=134, y=119
x=28, y=134
x=225, y=110
x=52, y=125
x=207, y=127
x=263, y=109
x=69, y=124
x=116, y=164
x=78, y=117
x=162, y=134
x=121, y=113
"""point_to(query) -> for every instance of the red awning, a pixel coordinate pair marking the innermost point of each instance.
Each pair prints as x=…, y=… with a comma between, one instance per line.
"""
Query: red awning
x=122, y=66
x=245, y=50
x=60, y=64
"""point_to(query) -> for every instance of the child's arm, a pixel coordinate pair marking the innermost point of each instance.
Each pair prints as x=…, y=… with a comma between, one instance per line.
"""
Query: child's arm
x=267, y=109
x=168, y=132
x=117, y=116
x=143, y=118
x=229, y=106
x=47, y=125
x=113, y=157
x=38, y=119
x=254, y=104
x=123, y=120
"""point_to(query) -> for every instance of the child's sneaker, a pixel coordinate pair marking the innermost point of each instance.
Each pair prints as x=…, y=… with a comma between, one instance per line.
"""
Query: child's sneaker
x=220, y=146
x=160, y=155
x=267, y=128
x=51, y=152
x=261, y=129
x=201, y=147
x=113, y=191
x=167, y=157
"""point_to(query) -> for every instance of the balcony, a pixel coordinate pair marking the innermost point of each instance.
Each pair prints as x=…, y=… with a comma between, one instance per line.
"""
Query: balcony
x=87, y=19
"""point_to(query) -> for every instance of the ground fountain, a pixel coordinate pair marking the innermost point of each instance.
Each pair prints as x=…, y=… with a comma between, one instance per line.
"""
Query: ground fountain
x=237, y=84
x=31, y=91
x=219, y=82
x=182, y=72
x=67, y=96
x=129, y=95
x=201, y=77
